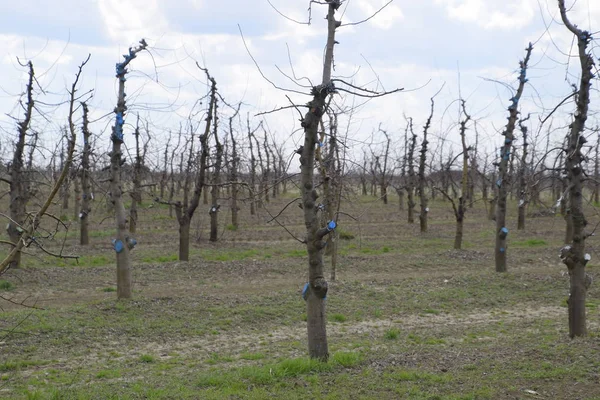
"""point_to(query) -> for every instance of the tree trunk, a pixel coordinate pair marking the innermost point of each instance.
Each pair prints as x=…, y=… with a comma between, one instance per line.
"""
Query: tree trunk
x=400, y=192
x=410, y=187
x=216, y=176
x=459, y=228
x=573, y=255
x=235, y=161
x=85, y=182
x=184, y=241
x=422, y=163
x=252, y=188
x=597, y=173
x=77, y=202
x=185, y=212
x=503, y=175
x=18, y=188
x=462, y=200
x=122, y=242
x=523, y=179
x=136, y=192
x=317, y=288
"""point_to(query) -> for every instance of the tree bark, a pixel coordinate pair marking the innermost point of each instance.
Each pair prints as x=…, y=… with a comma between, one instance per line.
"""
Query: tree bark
x=523, y=201
x=573, y=255
x=235, y=164
x=462, y=200
x=185, y=212
x=216, y=176
x=122, y=242
x=253, y=200
x=317, y=289
x=503, y=175
x=136, y=192
x=410, y=187
x=422, y=163
x=18, y=188
x=86, y=194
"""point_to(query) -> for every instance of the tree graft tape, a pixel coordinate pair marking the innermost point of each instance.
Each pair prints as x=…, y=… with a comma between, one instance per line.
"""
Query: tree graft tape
x=503, y=233
x=331, y=226
x=131, y=242
x=305, y=291
x=118, y=245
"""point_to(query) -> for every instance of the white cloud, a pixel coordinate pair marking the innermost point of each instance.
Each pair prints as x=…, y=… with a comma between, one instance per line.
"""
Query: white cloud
x=129, y=20
x=491, y=14
x=384, y=19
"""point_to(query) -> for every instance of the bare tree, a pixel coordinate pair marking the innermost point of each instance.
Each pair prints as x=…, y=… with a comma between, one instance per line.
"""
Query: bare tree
x=185, y=211
x=165, y=174
x=27, y=232
x=597, y=171
x=460, y=208
x=383, y=169
x=19, y=195
x=411, y=184
x=462, y=200
x=122, y=243
x=136, y=192
x=234, y=171
x=66, y=186
x=86, y=187
x=504, y=180
x=216, y=176
x=523, y=198
x=573, y=255
x=252, y=167
x=422, y=163
x=317, y=287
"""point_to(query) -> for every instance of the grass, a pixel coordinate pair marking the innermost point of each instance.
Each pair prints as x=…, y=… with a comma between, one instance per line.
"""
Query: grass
x=147, y=358
x=337, y=317
x=391, y=334
x=252, y=356
x=5, y=285
x=408, y=317
x=344, y=234
x=530, y=243
x=160, y=258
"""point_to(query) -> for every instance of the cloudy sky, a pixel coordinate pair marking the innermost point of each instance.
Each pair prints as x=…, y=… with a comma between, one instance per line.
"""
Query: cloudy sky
x=470, y=47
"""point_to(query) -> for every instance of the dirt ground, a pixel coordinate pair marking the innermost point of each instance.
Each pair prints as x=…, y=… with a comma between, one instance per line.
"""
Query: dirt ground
x=409, y=317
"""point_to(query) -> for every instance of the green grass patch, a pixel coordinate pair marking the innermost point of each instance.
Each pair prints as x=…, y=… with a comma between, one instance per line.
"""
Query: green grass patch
x=338, y=317
x=147, y=358
x=347, y=359
x=160, y=258
x=252, y=356
x=108, y=374
x=18, y=365
x=531, y=243
x=6, y=285
x=391, y=334
x=417, y=376
x=262, y=375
